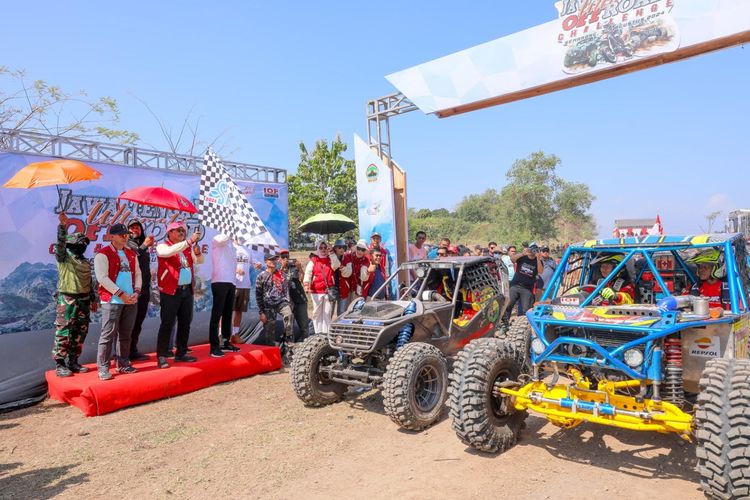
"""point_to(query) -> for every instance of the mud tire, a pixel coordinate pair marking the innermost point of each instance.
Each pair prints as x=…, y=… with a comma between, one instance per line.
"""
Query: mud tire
x=308, y=383
x=480, y=419
x=415, y=386
x=722, y=434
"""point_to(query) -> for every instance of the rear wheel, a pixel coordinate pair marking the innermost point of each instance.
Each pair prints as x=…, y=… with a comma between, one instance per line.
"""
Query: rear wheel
x=723, y=428
x=415, y=385
x=481, y=418
x=311, y=386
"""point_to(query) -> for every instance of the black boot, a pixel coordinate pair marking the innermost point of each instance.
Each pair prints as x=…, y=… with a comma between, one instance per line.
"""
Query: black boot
x=61, y=370
x=74, y=366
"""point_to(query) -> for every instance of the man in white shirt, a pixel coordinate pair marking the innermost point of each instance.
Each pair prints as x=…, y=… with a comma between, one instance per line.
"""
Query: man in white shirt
x=223, y=273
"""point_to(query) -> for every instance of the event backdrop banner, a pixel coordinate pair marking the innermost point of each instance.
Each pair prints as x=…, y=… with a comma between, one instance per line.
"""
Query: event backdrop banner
x=29, y=218
x=375, y=200
x=589, y=36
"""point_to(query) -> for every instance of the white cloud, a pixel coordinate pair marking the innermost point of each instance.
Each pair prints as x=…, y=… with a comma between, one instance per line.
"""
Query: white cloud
x=718, y=201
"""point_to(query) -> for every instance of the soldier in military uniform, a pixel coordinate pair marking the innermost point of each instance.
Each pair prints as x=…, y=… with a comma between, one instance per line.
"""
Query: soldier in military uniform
x=76, y=299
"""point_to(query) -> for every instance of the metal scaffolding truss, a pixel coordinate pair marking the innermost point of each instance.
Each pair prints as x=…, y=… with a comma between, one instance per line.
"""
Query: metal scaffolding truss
x=19, y=141
x=379, y=112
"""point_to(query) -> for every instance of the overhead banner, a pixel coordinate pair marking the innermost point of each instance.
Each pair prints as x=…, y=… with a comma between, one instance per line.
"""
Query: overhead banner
x=591, y=40
x=375, y=203
x=29, y=219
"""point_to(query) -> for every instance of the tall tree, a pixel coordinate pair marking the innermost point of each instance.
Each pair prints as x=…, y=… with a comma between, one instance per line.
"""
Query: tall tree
x=325, y=182
x=40, y=107
x=528, y=198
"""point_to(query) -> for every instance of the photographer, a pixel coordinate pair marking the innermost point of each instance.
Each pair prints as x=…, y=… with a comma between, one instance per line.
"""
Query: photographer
x=292, y=269
x=272, y=297
x=528, y=267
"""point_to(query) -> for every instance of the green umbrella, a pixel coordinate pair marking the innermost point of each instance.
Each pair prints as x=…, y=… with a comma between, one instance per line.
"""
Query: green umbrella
x=327, y=224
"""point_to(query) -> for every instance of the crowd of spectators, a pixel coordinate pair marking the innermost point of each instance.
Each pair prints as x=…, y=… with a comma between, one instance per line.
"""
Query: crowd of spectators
x=333, y=278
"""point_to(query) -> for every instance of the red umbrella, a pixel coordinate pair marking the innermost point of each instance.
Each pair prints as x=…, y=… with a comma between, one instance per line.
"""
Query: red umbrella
x=156, y=196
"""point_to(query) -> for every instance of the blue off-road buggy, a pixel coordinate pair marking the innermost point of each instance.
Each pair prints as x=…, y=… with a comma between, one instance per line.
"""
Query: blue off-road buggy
x=664, y=360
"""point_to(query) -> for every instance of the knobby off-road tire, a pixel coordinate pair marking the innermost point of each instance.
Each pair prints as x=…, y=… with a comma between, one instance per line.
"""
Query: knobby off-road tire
x=519, y=334
x=480, y=419
x=723, y=428
x=415, y=385
x=310, y=385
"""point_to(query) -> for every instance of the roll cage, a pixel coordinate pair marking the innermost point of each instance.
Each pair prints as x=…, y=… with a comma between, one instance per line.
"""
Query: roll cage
x=637, y=326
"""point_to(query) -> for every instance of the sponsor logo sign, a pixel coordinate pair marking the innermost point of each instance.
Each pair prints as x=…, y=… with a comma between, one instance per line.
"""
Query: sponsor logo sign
x=602, y=33
x=705, y=347
x=270, y=192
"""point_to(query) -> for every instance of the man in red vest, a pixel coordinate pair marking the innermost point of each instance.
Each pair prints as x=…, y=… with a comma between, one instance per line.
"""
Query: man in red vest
x=175, y=278
x=119, y=278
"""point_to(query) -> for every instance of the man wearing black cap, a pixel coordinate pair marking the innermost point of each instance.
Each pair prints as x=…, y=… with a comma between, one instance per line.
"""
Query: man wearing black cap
x=76, y=299
x=140, y=244
x=528, y=267
x=548, y=269
x=119, y=277
x=272, y=297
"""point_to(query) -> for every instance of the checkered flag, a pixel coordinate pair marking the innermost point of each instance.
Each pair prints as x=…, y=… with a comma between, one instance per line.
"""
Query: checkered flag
x=224, y=207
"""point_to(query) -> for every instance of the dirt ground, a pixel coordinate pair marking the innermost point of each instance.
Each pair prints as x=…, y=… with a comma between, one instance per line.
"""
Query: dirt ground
x=253, y=438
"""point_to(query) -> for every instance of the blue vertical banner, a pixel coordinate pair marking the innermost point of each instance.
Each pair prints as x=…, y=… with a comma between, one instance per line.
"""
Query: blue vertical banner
x=375, y=204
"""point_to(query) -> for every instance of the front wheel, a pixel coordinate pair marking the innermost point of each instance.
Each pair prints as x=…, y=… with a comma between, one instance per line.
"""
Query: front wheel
x=310, y=385
x=481, y=418
x=415, y=385
x=723, y=428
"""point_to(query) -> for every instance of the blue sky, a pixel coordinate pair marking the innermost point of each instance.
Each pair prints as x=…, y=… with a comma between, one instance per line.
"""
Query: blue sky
x=670, y=140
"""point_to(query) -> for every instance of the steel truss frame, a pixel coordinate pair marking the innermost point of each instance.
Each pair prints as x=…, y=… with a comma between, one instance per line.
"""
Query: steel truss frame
x=379, y=112
x=20, y=141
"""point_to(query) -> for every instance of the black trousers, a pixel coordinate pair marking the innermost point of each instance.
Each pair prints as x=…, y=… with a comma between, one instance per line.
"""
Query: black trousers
x=175, y=308
x=221, y=310
x=301, y=318
x=523, y=296
x=140, y=315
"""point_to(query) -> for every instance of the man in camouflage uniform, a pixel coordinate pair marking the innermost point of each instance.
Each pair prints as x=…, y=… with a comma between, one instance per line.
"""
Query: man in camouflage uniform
x=76, y=299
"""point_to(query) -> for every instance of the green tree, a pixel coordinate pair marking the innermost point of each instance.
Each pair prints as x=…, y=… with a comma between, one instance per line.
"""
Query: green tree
x=325, y=182
x=479, y=207
x=40, y=107
x=537, y=204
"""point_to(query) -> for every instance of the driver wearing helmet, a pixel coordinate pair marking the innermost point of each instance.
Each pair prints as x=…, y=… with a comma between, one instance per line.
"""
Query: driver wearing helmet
x=711, y=272
x=619, y=289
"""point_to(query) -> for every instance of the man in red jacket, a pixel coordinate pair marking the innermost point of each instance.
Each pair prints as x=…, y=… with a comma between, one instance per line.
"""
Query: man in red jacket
x=175, y=277
x=119, y=278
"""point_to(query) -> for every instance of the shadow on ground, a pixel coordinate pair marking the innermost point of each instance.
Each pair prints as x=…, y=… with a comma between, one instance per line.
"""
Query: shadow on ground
x=646, y=455
x=38, y=483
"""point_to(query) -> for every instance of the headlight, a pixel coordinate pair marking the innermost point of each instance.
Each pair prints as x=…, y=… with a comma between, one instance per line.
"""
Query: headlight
x=537, y=346
x=633, y=358
x=339, y=339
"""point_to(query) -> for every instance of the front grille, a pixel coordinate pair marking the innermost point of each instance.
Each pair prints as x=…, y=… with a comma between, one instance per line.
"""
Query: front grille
x=353, y=337
x=612, y=339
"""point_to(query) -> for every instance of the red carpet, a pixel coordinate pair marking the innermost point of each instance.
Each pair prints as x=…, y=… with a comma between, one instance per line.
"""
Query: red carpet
x=97, y=397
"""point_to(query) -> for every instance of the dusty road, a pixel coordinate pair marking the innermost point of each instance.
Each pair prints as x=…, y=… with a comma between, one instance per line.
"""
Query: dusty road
x=253, y=439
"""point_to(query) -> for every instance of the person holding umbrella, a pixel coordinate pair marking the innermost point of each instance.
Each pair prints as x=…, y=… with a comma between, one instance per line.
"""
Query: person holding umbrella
x=141, y=245
x=318, y=281
x=175, y=280
x=76, y=299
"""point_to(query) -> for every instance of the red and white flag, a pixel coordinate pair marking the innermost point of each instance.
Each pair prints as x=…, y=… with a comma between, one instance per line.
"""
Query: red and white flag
x=656, y=229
